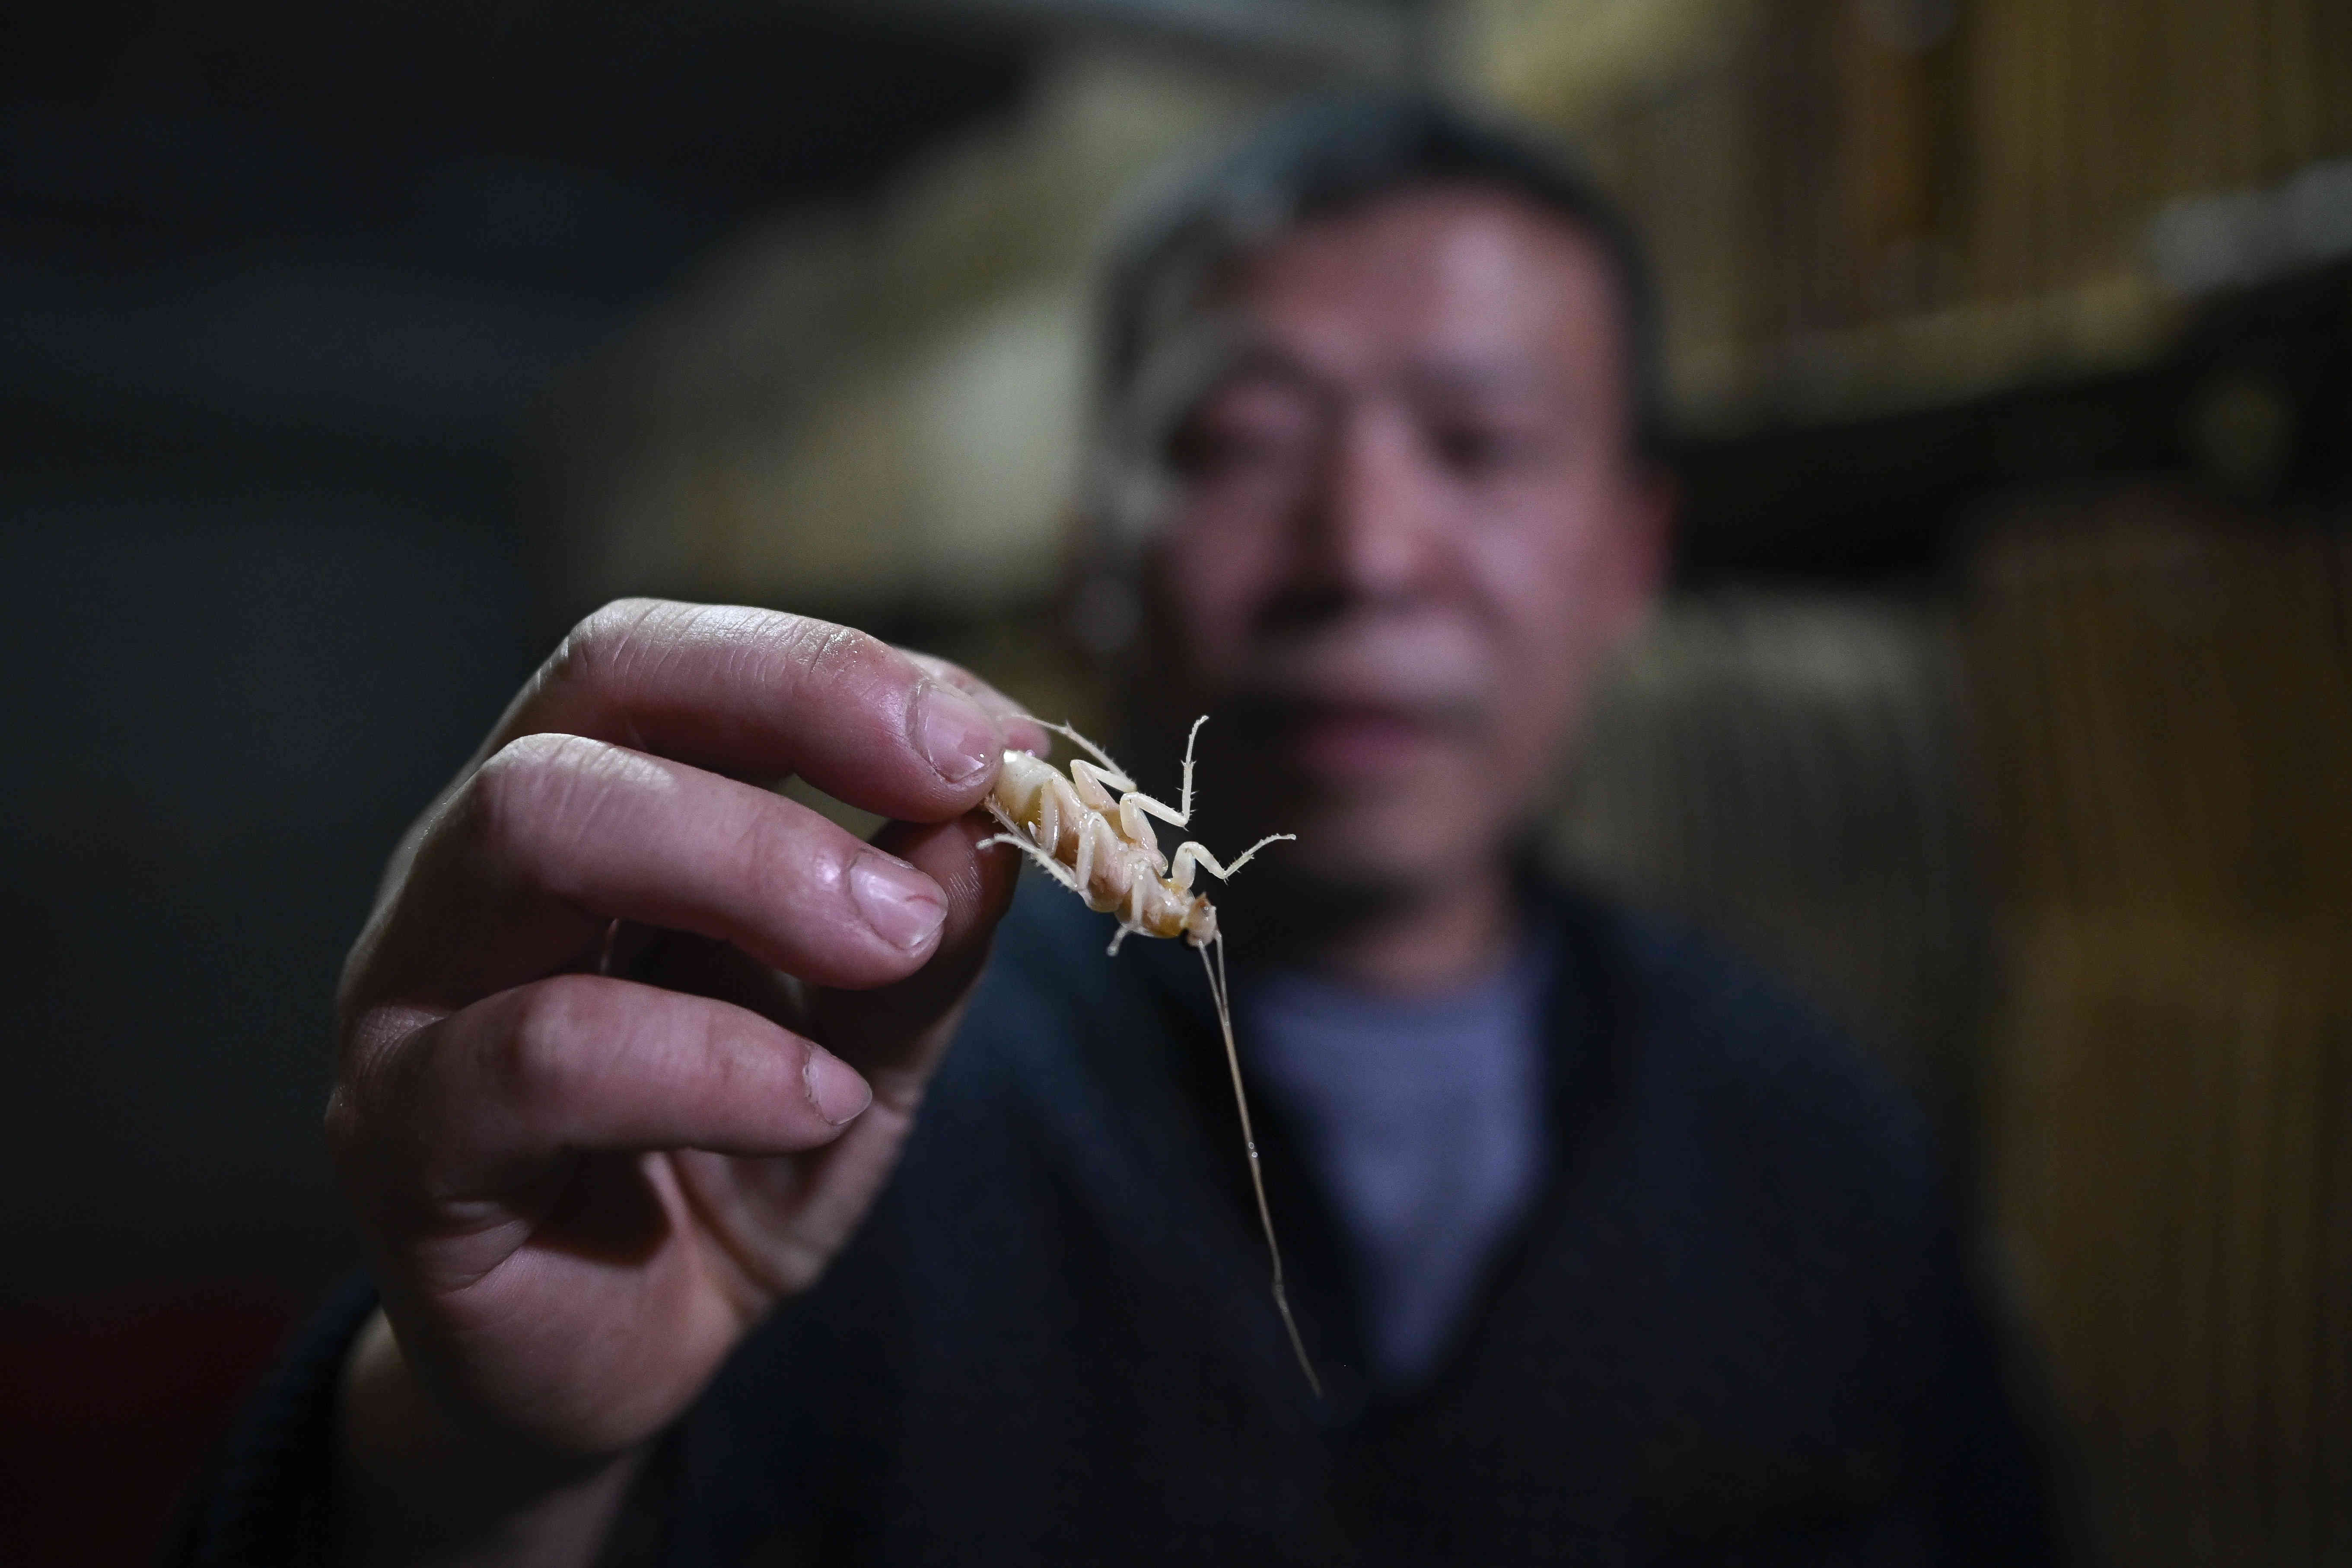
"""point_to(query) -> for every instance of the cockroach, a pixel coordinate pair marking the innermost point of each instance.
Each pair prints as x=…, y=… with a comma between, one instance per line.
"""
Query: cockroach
x=1090, y=830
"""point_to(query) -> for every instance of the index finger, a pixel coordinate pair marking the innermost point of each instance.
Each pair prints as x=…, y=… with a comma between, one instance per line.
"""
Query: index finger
x=760, y=693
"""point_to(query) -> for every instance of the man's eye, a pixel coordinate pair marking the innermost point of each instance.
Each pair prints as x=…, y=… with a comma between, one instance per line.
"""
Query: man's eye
x=1476, y=451
x=1228, y=444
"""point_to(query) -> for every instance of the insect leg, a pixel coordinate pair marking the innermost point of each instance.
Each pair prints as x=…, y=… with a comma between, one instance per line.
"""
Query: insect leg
x=1098, y=791
x=1089, y=856
x=1115, y=775
x=1182, y=817
x=1179, y=871
x=1184, y=791
x=1053, y=868
x=1087, y=783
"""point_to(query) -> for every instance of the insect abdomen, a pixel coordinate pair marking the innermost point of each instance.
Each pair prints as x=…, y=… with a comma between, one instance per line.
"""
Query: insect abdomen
x=1117, y=875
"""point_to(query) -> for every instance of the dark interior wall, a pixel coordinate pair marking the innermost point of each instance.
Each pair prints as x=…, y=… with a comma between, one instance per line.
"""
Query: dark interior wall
x=225, y=706
x=277, y=287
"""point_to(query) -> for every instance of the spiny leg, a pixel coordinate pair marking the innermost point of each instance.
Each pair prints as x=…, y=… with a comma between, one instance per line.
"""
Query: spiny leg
x=1113, y=774
x=1184, y=791
x=1218, y=991
x=1053, y=868
x=1030, y=837
x=1180, y=869
x=1182, y=816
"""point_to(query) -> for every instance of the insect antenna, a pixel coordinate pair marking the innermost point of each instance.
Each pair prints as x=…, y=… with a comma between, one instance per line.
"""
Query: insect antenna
x=1218, y=991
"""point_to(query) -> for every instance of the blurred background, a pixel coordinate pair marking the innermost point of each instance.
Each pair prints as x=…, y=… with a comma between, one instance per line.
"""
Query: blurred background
x=347, y=354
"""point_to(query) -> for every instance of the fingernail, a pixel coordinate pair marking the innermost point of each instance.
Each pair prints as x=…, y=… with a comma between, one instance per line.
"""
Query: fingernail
x=953, y=732
x=902, y=905
x=835, y=1088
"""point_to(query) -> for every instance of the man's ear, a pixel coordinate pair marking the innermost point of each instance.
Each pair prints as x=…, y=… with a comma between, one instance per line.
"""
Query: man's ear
x=1645, y=549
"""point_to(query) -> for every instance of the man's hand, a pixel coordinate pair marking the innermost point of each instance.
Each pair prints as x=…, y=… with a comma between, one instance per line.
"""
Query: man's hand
x=631, y=1042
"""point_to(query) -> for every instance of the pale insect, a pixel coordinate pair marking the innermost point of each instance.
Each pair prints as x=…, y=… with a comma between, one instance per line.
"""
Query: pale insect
x=1089, y=830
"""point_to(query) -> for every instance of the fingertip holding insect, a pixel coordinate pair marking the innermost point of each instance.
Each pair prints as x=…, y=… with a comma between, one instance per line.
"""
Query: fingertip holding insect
x=952, y=732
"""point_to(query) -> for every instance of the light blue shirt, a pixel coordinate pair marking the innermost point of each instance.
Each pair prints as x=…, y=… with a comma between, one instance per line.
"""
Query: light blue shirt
x=1425, y=1119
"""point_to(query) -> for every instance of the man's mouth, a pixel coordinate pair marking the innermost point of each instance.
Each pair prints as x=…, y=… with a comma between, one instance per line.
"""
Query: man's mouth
x=1366, y=698
x=1336, y=743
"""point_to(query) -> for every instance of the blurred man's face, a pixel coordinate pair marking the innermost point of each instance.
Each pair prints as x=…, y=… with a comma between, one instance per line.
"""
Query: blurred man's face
x=1409, y=530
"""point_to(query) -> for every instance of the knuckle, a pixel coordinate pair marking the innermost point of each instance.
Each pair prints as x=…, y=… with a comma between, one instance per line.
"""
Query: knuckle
x=727, y=1068
x=511, y=792
x=780, y=866
x=948, y=672
x=377, y=1055
x=538, y=1061
x=766, y=861
x=623, y=647
x=521, y=797
x=602, y=646
x=824, y=655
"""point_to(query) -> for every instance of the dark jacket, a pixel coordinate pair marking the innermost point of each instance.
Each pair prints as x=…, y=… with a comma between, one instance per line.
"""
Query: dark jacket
x=1734, y=1329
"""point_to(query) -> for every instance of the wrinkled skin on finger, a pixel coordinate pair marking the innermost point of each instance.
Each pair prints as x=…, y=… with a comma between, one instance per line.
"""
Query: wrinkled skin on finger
x=580, y=1190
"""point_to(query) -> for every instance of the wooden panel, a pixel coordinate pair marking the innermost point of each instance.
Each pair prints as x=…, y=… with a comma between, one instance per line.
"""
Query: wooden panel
x=1892, y=169
x=2165, y=697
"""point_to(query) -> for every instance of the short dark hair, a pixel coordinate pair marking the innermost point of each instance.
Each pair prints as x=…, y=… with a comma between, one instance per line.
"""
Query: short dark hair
x=1329, y=154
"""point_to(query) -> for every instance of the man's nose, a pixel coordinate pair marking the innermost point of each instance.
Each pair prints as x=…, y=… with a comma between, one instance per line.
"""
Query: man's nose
x=1371, y=524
